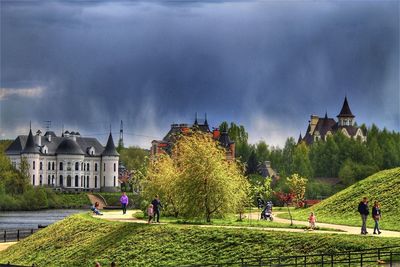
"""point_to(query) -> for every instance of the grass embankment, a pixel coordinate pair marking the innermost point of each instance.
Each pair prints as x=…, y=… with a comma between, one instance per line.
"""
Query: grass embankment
x=341, y=208
x=231, y=220
x=80, y=240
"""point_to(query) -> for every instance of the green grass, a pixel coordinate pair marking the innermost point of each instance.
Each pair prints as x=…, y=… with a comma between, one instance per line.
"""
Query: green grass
x=112, y=199
x=72, y=200
x=341, y=208
x=232, y=220
x=80, y=240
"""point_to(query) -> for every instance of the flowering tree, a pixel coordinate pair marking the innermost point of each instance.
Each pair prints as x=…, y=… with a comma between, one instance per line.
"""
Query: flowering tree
x=297, y=185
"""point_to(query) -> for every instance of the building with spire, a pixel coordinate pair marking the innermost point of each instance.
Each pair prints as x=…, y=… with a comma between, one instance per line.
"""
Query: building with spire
x=320, y=128
x=68, y=162
x=165, y=145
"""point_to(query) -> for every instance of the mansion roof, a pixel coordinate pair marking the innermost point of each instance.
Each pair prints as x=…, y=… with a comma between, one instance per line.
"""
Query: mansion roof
x=50, y=144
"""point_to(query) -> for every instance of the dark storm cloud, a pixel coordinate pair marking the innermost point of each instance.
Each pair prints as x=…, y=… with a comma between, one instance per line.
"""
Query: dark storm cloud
x=267, y=65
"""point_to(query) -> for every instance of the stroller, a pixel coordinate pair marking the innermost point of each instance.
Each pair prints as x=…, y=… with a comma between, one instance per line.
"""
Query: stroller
x=266, y=214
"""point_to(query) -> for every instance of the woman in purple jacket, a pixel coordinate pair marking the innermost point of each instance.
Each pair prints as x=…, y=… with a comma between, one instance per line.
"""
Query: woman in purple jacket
x=124, y=202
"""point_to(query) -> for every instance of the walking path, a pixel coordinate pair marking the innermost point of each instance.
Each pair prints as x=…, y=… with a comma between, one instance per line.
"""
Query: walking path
x=128, y=217
x=4, y=246
x=93, y=199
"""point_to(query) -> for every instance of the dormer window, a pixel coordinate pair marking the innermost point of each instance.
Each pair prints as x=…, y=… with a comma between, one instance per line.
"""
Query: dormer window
x=91, y=151
x=45, y=149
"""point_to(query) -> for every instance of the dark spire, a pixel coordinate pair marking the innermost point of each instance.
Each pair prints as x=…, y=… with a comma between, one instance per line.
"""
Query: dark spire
x=30, y=145
x=205, y=121
x=326, y=115
x=110, y=148
x=300, y=139
x=345, y=112
x=195, y=120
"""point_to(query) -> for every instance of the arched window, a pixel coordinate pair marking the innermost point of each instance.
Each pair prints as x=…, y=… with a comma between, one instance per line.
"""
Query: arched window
x=52, y=165
x=33, y=179
x=69, y=182
x=61, y=166
x=61, y=180
x=115, y=182
x=95, y=167
x=33, y=165
x=48, y=180
x=76, y=166
x=87, y=166
x=115, y=167
x=52, y=179
x=76, y=180
x=40, y=165
x=95, y=182
x=87, y=181
x=48, y=166
x=104, y=169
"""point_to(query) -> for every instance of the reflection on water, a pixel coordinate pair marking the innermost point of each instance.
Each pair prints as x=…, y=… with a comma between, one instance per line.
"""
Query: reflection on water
x=31, y=219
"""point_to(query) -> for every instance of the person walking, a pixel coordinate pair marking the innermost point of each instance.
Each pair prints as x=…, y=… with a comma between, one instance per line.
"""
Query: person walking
x=364, y=211
x=150, y=212
x=312, y=219
x=156, y=208
x=376, y=215
x=124, y=202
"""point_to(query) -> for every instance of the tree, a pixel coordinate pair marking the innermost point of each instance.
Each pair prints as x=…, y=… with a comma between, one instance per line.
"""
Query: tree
x=252, y=164
x=197, y=179
x=301, y=160
x=262, y=151
x=286, y=199
x=297, y=186
x=238, y=134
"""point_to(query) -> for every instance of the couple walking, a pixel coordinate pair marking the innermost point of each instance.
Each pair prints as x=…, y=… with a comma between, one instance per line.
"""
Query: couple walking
x=363, y=209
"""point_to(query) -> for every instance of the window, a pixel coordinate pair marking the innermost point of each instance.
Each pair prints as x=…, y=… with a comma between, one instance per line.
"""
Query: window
x=87, y=167
x=48, y=166
x=83, y=181
x=61, y=180
x=95, y=182
x=104, y=181
x=33, y=164
x=52, y=179
x=76, y=180
x=48, y=180
x=61, y=166
x=69, y=182
x=40, y=180
x=84, y=166
x=115, y=167
x=104, y=169
x=114, y=182
x=52, y=165
x=76, y=166
x=41, y=166
x=33, y=179
x=95, y=167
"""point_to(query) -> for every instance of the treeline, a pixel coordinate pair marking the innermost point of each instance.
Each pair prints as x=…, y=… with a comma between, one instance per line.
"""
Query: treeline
x=339, y=156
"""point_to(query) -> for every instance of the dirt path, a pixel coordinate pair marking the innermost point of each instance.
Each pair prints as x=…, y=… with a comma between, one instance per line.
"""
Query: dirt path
x=345, y=228
x=128, y=217
x=93, y=199
x=4, y=246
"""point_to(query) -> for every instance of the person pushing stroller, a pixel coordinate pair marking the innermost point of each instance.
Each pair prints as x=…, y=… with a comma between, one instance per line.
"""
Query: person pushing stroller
x=266, y=214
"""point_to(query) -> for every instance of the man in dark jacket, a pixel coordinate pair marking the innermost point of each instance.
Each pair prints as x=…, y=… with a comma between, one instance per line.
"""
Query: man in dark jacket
x=364, y=211
x=156, y=208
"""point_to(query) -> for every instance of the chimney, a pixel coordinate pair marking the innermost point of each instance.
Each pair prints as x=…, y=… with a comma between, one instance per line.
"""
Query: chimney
x=313, y=123
x=39, y=137
x=216, y=133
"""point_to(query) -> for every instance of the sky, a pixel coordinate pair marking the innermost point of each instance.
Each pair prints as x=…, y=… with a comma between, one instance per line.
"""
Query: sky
x=267, y=65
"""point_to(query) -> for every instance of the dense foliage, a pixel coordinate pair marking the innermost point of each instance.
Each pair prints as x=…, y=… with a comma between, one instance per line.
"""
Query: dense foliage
x=197, y=180
x=341, y=208
x=339, y=156
x=81, y=240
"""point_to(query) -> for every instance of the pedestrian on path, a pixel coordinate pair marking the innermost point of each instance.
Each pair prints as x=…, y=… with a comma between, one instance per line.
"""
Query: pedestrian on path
x=312, y=219
x=150, y=212
x=156, y=208
x=124, y=202
x=364, y=211
x=376, y=215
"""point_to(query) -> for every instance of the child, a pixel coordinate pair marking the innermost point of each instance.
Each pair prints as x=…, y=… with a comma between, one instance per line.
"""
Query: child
x=150, y=212
x=312, y=219
x=95, y=208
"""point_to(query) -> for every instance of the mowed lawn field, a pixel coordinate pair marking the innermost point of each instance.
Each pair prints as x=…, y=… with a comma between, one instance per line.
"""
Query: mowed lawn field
x=80, y=240
x=341, y=208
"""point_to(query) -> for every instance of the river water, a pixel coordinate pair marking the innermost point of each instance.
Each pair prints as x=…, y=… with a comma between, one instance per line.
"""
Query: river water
x=31, y=219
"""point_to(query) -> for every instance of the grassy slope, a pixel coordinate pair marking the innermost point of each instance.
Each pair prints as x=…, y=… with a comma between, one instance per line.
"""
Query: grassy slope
x=80, y=240
x=341, y=208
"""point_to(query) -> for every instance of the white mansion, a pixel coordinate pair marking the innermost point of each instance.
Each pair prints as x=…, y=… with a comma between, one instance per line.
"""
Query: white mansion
x=69, y=162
